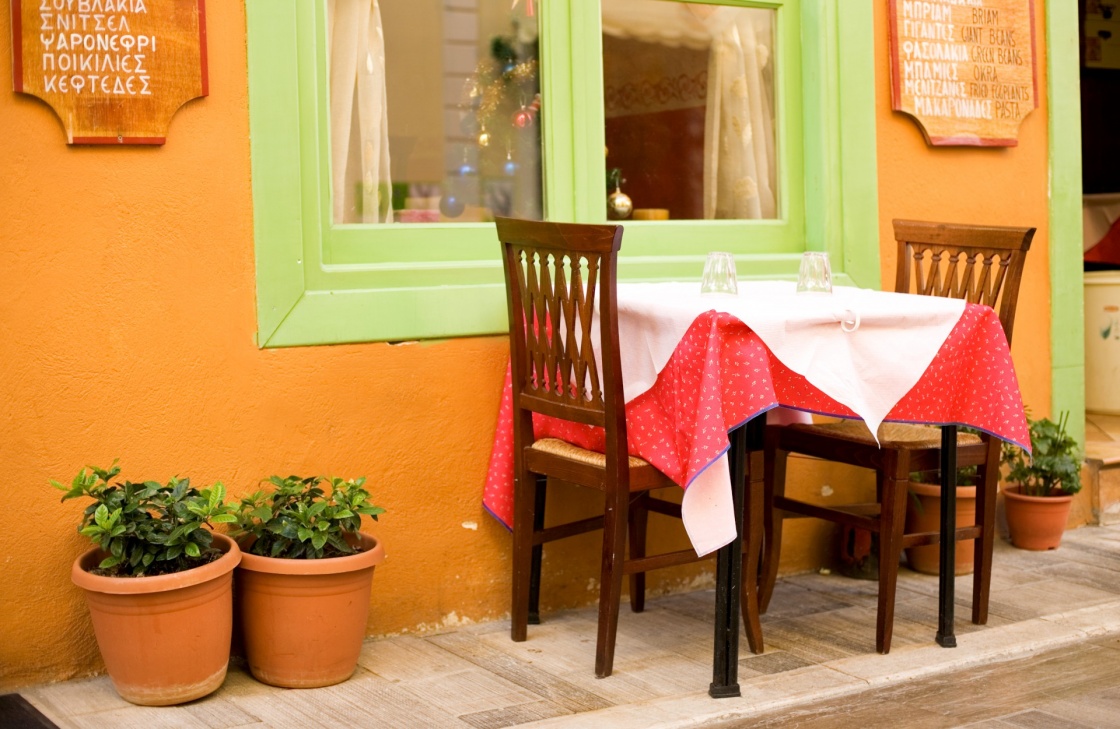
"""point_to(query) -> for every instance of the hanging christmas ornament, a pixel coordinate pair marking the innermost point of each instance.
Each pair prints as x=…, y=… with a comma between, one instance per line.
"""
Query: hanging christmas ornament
x=527, y=115
x=523, y=118
x=619, y=205
x=510, y=167
x=484, y=138
x=451, y=206
x=467, y=168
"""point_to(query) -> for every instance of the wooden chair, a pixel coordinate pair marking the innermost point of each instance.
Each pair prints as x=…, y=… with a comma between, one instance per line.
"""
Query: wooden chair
x=982, y=264
x=555, y=272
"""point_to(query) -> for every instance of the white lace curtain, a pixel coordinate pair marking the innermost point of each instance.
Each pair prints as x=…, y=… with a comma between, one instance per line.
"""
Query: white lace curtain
x=359, y=115
x=739, y=162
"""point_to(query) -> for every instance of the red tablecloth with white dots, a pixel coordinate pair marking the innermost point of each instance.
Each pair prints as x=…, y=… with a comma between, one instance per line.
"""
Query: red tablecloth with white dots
x=721, y=375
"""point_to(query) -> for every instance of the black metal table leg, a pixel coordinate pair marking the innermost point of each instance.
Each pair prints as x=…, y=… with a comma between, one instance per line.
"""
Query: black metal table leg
x=947, y=571
x=729, y=567
x=729, y=571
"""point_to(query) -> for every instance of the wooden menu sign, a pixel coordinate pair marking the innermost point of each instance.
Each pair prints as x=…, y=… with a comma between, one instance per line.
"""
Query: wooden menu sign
x=115, y=71
x=964, y=69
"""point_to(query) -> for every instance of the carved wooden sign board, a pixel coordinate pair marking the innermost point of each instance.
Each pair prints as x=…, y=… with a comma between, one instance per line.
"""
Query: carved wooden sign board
x=964, y=69
x=115, y=71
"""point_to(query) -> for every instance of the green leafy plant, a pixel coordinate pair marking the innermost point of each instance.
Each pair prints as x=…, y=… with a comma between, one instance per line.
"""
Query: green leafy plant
x=966, y=476
x=1056, y=462
x=298, y=519
x=148, y=528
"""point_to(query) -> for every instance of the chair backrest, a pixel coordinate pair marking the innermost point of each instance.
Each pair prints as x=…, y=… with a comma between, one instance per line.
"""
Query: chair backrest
x=982, y=264
x=554, y=274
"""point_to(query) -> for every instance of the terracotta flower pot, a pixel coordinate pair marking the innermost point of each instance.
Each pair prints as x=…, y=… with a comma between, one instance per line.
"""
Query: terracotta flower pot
x=304, y=620
x=165, y=639
x=1036, y=522
x=923, y=514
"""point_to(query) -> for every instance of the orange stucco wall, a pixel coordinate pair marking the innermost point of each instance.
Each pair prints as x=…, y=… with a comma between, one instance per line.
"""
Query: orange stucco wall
x=128, y=332
x=995, y=186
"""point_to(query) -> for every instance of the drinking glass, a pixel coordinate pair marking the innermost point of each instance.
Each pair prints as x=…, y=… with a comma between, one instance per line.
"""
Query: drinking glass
x=816, y=273
x=719, y=275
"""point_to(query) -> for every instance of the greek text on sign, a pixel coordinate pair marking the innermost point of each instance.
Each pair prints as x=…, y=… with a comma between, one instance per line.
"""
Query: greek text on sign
x=964, y=69
x=114, y=71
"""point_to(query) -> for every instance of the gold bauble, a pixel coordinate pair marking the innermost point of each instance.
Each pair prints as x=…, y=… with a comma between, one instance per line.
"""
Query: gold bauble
x=619, y=205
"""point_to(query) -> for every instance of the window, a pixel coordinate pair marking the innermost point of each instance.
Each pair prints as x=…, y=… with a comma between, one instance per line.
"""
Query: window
x=322, y=281
x=434, y=110
x=689, y=101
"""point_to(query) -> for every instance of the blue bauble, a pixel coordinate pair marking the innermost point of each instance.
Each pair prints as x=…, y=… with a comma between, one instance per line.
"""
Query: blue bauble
x=467, y=169
x=451, y=206
x=510, y=167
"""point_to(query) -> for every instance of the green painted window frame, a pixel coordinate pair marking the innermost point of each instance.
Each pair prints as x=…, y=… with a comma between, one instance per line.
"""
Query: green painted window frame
x=1067, y=305
x=320, y=283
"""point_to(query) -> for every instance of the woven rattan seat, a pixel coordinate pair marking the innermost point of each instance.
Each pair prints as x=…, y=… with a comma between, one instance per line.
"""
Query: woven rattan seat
x=891, y=435
x=564, y=449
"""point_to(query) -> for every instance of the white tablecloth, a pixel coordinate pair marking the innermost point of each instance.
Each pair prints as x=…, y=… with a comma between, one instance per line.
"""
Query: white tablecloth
x=869, y=370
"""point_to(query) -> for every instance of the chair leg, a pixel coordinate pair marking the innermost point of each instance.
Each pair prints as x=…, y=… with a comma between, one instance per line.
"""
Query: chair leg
x=892, y=520
x=983, y=545
x=610, y=585
x=752, y=541
x=524, y=506
x=538, y=550
x=774, y=485
x=639, y=519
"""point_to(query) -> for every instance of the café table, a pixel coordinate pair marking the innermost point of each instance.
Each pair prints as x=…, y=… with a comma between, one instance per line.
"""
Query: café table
x=699, y=370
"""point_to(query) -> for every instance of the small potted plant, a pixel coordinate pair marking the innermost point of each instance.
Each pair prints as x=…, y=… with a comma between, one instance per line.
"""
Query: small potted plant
x=1039, y=489
x=158, y=583
x=304, y=581
x=923, y=514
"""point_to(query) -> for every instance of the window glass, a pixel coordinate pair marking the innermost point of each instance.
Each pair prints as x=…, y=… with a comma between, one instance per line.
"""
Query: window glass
x=688, y=96
x=435, y=111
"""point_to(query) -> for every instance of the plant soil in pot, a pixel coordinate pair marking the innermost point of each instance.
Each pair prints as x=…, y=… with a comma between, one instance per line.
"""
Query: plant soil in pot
x=164, y=639
x=1036, y=522
x=923, y=514
x=303, y=586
